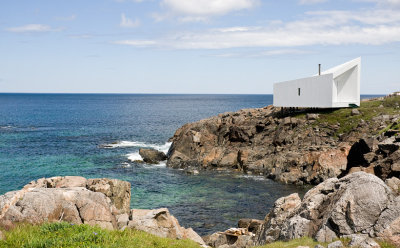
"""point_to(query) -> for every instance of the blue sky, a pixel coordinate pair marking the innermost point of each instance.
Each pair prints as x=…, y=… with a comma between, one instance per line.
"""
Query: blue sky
x=193, y=46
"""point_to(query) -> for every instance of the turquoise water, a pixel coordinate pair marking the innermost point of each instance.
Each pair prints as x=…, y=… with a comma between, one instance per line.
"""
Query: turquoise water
x=45, y=135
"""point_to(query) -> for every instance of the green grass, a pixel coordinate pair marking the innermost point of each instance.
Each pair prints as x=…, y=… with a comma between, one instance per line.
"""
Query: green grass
x=306, y=241
x=385, y=244
x=63, y=234
x=293, y=243
x=391, y=126
x=347, y=122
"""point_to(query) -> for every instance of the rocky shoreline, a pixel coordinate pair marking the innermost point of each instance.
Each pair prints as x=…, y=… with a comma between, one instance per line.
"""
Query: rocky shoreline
x=352, y=154
x=77, y=200
x=359, y=207
x=294, y=147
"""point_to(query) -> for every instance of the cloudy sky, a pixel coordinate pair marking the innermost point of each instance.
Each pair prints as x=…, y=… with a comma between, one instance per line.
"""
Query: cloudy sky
x=193, y=46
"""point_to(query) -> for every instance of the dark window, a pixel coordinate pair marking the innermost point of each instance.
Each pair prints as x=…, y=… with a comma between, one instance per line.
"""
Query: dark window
x=298, y=90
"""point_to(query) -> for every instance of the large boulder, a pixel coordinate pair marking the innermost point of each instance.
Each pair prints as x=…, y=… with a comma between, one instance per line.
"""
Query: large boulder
x=152, y=156
x=104, y=202
x=75, y=205
x=338, y=207
x=161, y=223
x=118, y=191
x=359, y=203
x=283, y=208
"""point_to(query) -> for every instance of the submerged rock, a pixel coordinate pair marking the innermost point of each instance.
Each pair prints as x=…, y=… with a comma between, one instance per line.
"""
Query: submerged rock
x=152, y=156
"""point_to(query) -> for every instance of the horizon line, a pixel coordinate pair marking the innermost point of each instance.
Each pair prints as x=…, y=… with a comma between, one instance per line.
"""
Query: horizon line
x=119, y=93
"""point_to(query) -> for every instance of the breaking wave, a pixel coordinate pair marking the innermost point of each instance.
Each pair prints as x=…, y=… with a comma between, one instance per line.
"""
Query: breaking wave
x=135, y=156
x=121, y=144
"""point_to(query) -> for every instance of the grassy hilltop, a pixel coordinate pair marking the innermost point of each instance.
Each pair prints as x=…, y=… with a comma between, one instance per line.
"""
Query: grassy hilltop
x=369, y=109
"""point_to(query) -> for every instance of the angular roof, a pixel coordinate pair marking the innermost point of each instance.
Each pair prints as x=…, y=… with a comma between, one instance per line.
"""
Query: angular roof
x=340, y=69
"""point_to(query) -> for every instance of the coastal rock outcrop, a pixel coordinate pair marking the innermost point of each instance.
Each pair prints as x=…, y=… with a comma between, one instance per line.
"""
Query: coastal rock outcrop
x=161, y=223
x=291, y=147
x=359, y=203
x=104, y=202
x=377, y=155
x=59, y=199
x=152, y=156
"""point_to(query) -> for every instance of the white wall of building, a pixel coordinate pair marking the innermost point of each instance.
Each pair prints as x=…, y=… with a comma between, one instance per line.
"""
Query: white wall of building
x=335, y=88
x=314, y=92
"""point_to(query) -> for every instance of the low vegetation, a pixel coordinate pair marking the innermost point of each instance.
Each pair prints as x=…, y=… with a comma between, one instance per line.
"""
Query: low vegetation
x=368, y=110
x=346, y=122
x=64, y=235
x=293, y=243
x=312, y=243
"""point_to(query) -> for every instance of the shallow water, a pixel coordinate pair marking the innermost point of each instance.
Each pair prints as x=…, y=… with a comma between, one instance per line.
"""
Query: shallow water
x=44, y=135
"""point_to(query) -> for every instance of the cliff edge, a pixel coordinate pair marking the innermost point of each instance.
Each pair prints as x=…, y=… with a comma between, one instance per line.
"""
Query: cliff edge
x=297, y=146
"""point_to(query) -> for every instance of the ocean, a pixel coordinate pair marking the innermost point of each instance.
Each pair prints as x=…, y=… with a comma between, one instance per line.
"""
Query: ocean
x=45, y=135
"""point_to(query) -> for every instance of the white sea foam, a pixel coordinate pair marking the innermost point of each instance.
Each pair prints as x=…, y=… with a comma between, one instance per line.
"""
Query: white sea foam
x=126, y=165
x=161, y=164
x=163, y=148
x=6, y=127
x=152, y=166
x=134, y=156
x=254, y=177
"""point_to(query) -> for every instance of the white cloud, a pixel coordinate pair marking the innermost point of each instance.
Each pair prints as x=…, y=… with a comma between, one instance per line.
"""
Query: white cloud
x=374, y=27
x=136, y=1
x=304, y=2
x=201, y=10
x=383, y=3
x=137, y=43
x=281, y=52
x=267, y=53
x=371, y=17
x=207, y=7
x=128, y=23
x=32, y=28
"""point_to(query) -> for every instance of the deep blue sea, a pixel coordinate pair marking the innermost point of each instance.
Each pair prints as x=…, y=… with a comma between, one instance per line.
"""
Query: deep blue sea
x=45, y=135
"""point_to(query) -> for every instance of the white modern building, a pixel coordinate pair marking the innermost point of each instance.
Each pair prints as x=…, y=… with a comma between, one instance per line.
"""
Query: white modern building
x=338, y=87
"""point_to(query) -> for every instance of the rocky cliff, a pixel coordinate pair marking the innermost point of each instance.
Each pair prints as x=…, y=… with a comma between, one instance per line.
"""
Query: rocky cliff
x=296, y=146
